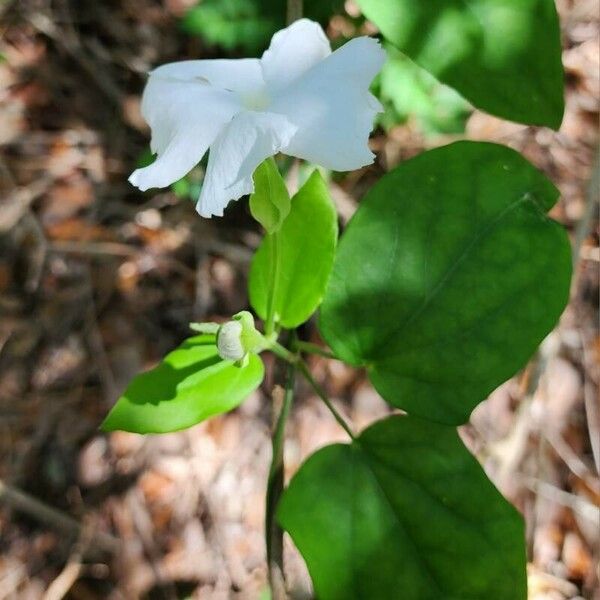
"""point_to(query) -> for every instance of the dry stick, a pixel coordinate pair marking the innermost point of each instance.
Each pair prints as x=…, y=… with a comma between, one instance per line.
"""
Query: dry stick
x=294, y=10
x=592, y=410
x=583, y=228
x=53, y=517
x=60, y=587
x=70, y=44
x=591, y=205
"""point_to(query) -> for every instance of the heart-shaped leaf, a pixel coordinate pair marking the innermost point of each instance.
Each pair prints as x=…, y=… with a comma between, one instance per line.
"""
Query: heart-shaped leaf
x=189, y=385
x=448, y=277
x=504, y=56
x=404, y=512
x=305, y=248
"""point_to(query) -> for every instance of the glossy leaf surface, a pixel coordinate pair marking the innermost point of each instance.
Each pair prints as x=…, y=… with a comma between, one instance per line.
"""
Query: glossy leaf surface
x=404, y=512
x=448, y=277
x=504, y=56
x=189, y=385
x=304, y=257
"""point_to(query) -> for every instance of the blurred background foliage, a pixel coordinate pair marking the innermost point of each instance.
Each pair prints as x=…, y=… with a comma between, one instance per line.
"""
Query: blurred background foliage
x=247, y=25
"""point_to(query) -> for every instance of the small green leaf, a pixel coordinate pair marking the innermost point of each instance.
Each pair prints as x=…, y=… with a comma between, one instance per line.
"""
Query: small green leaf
x=404, y=512
x=448, y=277
x=504, y=56
x=270, y=203
x=305, y=248
x=190, y=385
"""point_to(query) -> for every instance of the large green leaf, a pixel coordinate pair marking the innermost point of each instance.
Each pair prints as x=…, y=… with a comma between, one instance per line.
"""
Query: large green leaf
x=404, y=512
x=305, y=248
x=448, y=277
x=504, y=56
x=191, y=384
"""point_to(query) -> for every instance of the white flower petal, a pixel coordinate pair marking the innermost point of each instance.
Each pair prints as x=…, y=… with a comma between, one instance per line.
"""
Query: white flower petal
x=293, y=51
x=238, y=75
x=332, y=107
x=229, y=341
x=187, y=104
x=240, y=148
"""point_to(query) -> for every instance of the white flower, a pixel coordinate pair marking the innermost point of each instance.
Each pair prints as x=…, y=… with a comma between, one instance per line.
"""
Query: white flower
x=299, y=98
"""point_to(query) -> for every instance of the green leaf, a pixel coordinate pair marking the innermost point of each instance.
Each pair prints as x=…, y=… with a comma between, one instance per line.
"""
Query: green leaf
x=448, y=277
x=410, y=90
x=304, y=248
x=504, y=56
x=404, y=512
x=190, y=385
x=270, y=203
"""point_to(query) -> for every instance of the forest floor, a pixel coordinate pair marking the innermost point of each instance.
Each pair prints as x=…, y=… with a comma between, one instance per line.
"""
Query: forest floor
x=98, y=281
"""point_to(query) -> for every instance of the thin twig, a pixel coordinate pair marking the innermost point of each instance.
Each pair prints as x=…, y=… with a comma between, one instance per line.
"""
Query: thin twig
x=100, y=248
x=53, y=517
x=71, y=572
x=294, y=11
x=17, y=203
x=71, y=45
x=591, y=205
x=575, y=503
x=96, y=343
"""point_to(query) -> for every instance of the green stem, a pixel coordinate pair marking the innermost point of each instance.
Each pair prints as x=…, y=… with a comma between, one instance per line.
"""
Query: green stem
x=282, y=352
x=311, y=348
x=274, y=251
x=303, y=368
x=273, y=532
x=294, y=360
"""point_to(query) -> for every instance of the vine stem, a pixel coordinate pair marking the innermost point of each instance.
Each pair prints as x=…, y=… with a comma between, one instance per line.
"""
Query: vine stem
x=303, y=368
x=274, y=264
x=293, y=359
x=294, y=10
x=282, y=402
x=311, y=348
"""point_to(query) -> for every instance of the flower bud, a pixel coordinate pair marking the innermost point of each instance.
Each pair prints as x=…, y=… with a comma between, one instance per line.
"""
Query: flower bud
x=239, y=337
x=229, y=341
